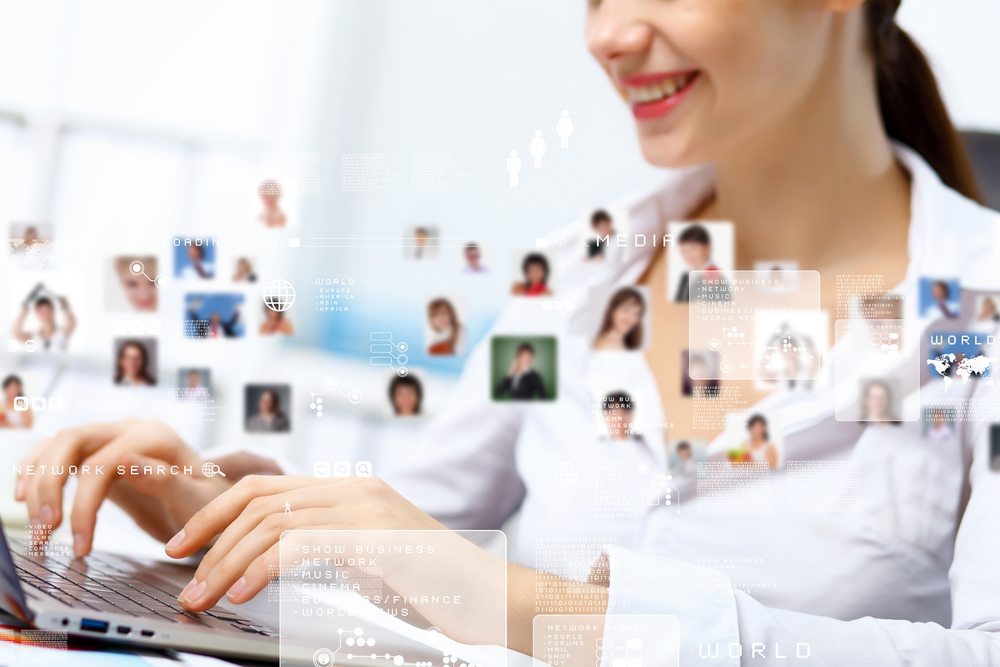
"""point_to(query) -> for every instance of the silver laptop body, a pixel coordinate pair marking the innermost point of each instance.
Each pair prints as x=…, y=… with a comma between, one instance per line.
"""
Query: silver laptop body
x=118, y=599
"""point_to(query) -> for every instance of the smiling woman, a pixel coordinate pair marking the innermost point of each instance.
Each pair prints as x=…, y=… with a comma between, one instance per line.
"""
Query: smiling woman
x=815, y=127
x=716, y=79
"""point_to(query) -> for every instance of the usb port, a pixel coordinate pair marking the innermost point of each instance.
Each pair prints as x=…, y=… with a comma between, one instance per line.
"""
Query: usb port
x=147, y=633
x=90, y=625
x=124, y=629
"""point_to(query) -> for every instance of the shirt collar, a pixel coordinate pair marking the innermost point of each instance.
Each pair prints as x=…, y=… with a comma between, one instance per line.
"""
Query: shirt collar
x=949, y=235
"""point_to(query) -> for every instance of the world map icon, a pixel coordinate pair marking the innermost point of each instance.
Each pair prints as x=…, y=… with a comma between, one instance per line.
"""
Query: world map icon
x=279, y=295
x=567, y=474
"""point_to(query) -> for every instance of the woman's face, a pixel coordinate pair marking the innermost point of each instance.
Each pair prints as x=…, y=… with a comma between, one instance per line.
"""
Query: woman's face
x=12, y=390
x=441, y=319
x=626, y=316
x=139, y=291
x=131, y=361
x=703, y=76
x=405, y=400
x=266, y=403
x=535, y=273
x=45, y=313
x=757, y=430
x=939, y=291
x=876, y=402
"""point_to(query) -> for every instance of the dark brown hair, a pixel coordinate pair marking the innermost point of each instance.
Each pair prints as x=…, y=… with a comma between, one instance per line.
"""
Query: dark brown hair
x=598, y=216
x=633, y=339
x=913, y=112
x=539, y=259
x=695, y=234
x=619, y=400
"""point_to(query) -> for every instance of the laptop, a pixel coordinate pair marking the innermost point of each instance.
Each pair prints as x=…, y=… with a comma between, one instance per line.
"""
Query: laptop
x=117, y=599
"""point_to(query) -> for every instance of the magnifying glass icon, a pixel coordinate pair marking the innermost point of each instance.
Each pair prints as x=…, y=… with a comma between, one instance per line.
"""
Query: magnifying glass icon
x=211, y=470
x=363, y=469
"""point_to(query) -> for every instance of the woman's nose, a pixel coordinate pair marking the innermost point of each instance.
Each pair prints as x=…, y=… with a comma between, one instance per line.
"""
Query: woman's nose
x=615, y=30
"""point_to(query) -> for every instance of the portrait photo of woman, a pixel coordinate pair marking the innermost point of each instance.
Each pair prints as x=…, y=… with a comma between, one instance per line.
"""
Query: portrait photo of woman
x=535, y=268
x=10, y=416
x=878, y=402
x=133, y=365
x=622, y=325
x=265, y=407
x=445, y=335
x=758, y=446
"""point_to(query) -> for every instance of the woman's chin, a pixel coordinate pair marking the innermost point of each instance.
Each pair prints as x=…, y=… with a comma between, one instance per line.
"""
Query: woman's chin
x=668, y=150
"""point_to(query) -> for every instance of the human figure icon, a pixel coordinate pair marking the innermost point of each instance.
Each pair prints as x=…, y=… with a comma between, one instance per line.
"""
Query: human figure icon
x=564, y=128
x=538, y=148
x=513, y=166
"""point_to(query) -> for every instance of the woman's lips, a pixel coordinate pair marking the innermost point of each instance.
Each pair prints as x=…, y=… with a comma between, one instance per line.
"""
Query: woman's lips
x=653, y=95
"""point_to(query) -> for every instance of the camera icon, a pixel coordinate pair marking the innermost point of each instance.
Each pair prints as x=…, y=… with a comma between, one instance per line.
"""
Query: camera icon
x=321, y=469
x=342, y=469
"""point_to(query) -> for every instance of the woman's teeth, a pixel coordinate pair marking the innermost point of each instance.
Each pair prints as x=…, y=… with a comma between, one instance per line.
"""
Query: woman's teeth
x=655, y=92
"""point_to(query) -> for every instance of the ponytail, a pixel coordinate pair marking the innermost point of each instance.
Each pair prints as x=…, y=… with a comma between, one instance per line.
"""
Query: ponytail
x=912, y=109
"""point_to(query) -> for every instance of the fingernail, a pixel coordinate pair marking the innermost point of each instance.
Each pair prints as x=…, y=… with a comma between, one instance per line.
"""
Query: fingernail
x=176, y=540
x=196, y=593
x=191, y=584
x=19, y=490
x=46, y=515
x=79, y=545
x=238, y=587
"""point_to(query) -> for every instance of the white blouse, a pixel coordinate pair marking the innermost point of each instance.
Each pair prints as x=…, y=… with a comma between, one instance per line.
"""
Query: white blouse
x=875, y=586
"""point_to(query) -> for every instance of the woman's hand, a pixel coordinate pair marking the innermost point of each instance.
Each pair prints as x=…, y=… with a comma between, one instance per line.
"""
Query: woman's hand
x=251, y=517
x=159, y=501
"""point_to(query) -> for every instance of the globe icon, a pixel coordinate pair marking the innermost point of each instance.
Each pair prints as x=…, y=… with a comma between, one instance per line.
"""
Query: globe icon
x=567, y=474
x=208, y=469
x=279, y=295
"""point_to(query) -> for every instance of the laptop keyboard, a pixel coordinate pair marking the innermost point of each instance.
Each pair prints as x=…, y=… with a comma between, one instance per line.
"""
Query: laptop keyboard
x=103, y=582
